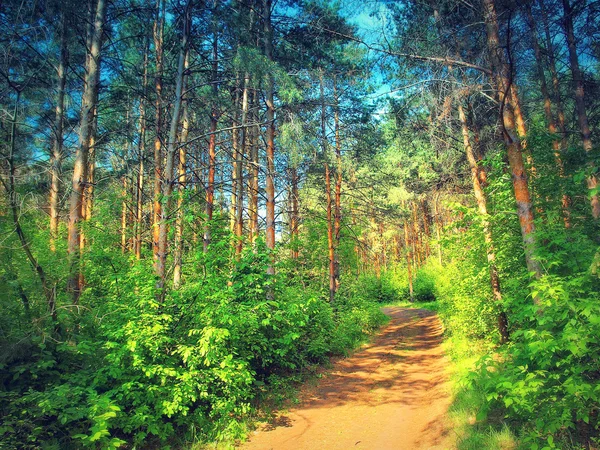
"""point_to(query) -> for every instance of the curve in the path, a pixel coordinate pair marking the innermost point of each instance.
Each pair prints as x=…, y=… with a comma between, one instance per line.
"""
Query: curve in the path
x=391, y=395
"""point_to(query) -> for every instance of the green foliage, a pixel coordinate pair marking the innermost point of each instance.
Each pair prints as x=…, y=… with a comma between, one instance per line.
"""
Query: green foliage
x=139, y=371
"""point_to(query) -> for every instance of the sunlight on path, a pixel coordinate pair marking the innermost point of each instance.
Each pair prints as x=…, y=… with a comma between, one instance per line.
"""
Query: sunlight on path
x=392, y=394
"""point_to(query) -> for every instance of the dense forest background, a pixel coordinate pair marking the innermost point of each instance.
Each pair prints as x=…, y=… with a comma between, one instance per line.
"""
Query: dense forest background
x=202, y=200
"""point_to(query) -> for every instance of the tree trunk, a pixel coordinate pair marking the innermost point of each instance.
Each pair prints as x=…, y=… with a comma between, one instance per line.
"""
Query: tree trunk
x=139, y=208
x=481, y=199
x=501, y=73
x=270, y=138
x=57, y=133
x=89, y=98
x=170, y=160
x=212, y=142
x=409, y=262
x=124, y=215
x=181, y=181
x=294, y=216
x=254, y=169
x=338, y=186
x=158, y=35
x=582, y=118
x=244, y=150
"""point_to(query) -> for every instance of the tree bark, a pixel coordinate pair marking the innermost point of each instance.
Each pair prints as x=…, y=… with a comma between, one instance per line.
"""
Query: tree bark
x=270, y=137
x=503, y=81
x=158, y=35
x=139, y=209
x=212, y=141
x=338, y=186
x=181, y=182
x=172, y=148
x=86, y=138
x=57, y=133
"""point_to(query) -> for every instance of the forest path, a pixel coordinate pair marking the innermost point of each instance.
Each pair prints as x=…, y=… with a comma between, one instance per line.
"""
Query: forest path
x=391, y=394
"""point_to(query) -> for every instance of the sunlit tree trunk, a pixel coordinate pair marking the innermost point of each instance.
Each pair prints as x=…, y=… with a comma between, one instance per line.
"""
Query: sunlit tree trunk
x=89, y=98
x=57, y=133
x=244, y=150
x=158, y=35
x=294, y=214
x=409, y=259
x=139, y=208
x=254, y=170
x=181, y=182
x=338, y=186
x=212, y=141
x=172, y=150
x=582, y=117
x=501, y=73
x=270, y=136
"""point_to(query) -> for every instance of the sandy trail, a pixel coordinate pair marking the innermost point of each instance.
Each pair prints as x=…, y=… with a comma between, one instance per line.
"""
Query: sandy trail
x=391, y=394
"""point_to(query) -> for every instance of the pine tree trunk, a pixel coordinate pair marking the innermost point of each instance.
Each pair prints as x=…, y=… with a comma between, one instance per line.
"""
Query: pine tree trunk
x=158, y=34
x=139, y=208
x=270, y=137
x=501, y=73
x=172, y=150
x=212, y=142
x=181, y=182
x=338, y=186
x=254, y=169
x=89, y=98
x=57, y=133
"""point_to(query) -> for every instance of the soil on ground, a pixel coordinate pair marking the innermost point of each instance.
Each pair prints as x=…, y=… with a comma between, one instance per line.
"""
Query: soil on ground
x=391, y=394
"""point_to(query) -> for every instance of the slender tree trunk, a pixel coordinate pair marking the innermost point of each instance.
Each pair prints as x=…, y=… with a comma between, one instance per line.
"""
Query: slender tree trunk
x=139, y=209
x=172, y=150
x=235, y=158
x=181, y=181
x=582, y=118
x=57, y=133
x=409, y=258
x=487, y=232
x=124, y=215
x=158, y=35
x=254, y=169
x=294, y=232
x=514, y=149
x=438, y=226
x=244, y=150
x=338, y=186
x=89, y=97
x=212, y=142
x=270, y=137
x=328, y=200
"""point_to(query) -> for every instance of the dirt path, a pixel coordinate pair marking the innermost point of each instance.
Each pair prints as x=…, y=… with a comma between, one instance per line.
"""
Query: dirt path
x=392, y=394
